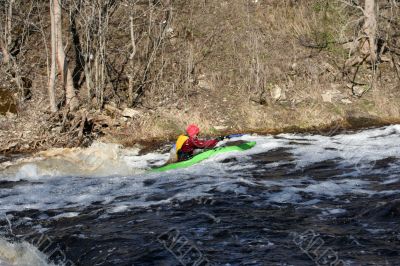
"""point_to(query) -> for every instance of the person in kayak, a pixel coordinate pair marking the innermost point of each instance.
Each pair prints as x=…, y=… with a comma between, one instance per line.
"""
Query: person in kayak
x=186, y=144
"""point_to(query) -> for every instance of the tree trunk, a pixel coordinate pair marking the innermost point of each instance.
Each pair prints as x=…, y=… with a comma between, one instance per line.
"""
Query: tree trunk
x=131, y=95
x=52, y=76
x=369, y=45
x=5, y=45
x=71, y=98
x=4, y=51
x=9, y=24
x=8, y=59
x=366, y=44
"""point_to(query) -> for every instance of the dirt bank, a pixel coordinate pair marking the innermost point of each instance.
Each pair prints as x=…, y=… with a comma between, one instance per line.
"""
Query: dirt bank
x=242, y=66
x=32, y=132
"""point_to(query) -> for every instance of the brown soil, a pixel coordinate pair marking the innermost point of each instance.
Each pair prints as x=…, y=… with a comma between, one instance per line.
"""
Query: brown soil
x=7, y=103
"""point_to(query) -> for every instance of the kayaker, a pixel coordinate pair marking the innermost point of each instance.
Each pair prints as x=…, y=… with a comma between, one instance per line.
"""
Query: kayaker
x=186, y=144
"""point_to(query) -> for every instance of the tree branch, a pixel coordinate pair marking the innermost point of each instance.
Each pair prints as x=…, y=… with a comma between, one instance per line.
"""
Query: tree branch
x=351, y=5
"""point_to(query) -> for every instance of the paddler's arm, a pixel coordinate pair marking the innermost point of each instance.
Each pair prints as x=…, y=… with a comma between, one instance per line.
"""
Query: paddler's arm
x=202, y=144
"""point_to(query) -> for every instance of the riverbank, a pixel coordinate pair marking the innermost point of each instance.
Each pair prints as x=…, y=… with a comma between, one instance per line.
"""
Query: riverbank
x=256, y=66
x=32, y=131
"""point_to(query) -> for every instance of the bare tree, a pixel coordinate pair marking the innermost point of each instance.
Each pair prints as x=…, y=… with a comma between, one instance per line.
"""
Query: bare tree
x=369, y=45
x=5, y=45
x=52, y=75
x=365, y=42
x=92, y=19
x=6, y=39
x=131, y=75
x=62, y=62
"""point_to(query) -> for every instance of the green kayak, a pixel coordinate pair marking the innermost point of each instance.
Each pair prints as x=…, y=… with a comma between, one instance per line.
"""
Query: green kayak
x=204, y=155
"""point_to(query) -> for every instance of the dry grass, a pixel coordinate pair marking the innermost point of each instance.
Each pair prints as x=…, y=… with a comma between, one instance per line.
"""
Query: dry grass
x=221, y=55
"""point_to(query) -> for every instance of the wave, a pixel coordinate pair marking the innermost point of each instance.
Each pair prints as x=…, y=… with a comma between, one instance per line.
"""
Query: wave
x=21, y=254
x=115, y=177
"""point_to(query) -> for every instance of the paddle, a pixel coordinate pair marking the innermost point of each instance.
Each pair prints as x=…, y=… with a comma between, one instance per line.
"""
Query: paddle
x=234, y=136
x=230, y=136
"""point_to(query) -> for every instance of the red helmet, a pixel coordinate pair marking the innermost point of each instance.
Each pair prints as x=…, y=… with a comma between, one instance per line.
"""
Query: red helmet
x=192, y=130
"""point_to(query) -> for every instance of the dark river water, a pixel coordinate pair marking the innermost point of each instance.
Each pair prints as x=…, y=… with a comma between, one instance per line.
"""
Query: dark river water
x=293, y=199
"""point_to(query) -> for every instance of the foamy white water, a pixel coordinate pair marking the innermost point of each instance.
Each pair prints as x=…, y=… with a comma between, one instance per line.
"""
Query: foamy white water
x=116, y=177
x=67, y=181
x=21, y=254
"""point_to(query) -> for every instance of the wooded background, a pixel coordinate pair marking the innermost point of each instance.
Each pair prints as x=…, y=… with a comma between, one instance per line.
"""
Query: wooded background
x=73, y=56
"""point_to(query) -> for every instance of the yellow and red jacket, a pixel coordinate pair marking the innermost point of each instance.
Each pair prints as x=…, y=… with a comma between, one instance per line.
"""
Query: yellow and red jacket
x=189, y=144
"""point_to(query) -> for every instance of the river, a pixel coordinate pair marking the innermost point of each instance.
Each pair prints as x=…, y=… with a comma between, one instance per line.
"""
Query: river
x=293, y=199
